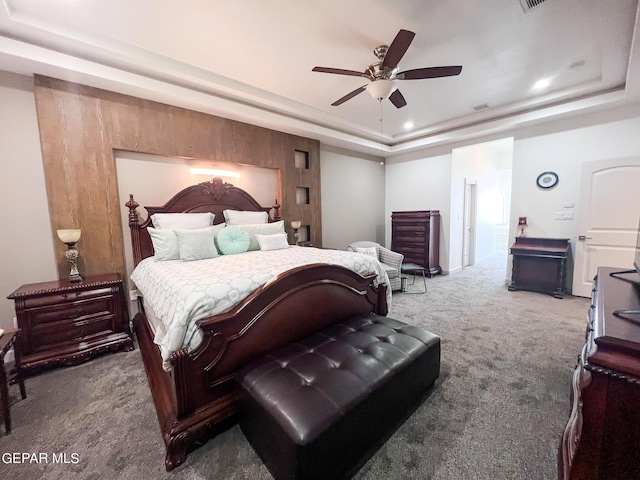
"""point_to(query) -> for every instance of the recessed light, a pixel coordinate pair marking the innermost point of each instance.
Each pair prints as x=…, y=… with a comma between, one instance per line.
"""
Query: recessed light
x=408, y=125
x=541, y=84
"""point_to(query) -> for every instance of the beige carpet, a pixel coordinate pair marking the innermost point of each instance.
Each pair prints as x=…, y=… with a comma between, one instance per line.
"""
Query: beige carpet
x=497, y=412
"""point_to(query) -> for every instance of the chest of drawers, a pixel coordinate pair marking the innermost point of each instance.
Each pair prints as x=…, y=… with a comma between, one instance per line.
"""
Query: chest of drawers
x=66, y=323
x=416, y=234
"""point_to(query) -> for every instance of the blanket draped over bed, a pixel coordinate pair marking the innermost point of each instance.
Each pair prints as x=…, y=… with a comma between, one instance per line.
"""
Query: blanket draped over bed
x=183, y=292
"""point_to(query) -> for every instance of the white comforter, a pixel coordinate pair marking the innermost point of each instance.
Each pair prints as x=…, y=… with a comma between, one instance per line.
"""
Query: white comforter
x=182, y=292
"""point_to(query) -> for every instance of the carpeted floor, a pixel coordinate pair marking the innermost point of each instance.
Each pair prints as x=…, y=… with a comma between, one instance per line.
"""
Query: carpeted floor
x=497, y=411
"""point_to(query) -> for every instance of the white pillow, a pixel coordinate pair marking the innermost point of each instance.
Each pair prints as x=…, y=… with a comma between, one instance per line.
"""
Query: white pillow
x=276, y=241
x=165, y=244
x=196, y=244
x=371, y=251
x=238, y=217
x=185, y=221
x=261, y=229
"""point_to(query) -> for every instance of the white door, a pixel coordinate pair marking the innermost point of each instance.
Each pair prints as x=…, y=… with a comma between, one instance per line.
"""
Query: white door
x=468, y=235
x=608, y=219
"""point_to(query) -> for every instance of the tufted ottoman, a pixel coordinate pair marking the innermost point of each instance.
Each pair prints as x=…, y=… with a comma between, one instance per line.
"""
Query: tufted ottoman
x=315, y=408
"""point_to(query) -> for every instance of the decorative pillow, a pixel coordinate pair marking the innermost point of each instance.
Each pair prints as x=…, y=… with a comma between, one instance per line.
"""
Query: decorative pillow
x=185, y=221
x=371, y=251
x=233, y=240
x=261, y=229
x=196, y=244
x=276, y=241
x=165, y=244
x=238, y=217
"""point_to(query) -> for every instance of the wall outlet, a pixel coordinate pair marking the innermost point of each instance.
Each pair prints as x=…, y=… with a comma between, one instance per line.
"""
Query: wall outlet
x=133, y=295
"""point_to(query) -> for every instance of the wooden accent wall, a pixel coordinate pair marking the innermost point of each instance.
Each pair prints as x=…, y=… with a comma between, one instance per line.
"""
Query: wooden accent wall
x=80, y=127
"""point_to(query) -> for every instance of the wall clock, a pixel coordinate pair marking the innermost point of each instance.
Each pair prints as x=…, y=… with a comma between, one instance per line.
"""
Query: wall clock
x=547, y=180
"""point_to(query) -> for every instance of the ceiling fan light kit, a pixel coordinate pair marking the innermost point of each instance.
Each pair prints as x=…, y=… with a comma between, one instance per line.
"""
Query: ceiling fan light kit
x=383, y=73
x=380, y=89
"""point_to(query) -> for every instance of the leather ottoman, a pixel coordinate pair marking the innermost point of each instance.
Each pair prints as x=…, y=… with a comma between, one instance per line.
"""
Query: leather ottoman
x=314, y=409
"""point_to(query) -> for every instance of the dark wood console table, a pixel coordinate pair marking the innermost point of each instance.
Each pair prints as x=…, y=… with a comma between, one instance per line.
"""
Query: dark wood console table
x=540, y=265
x=602, y=437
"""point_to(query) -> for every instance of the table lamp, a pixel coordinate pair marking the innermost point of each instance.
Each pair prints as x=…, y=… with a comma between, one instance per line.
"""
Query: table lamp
x=295, y=224
x=70, y=237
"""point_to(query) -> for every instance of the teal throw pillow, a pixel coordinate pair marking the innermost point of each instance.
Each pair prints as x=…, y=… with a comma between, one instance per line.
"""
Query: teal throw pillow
x=232, y=240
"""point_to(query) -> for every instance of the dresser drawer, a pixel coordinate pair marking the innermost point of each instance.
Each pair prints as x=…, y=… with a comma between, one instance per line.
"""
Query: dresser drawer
x=410, y=230
x=51, y=334
x=65, y=297
x=92, y=306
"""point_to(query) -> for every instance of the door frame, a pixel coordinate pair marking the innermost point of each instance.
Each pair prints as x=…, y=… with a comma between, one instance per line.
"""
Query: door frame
x=469, y=216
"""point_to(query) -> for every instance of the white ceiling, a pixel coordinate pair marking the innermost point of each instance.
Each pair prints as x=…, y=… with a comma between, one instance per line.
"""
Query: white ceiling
x=251, y=60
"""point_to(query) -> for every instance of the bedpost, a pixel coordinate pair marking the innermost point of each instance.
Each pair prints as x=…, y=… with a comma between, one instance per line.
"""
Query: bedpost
x=276, y=211
x=134, y=226
x=180, y=365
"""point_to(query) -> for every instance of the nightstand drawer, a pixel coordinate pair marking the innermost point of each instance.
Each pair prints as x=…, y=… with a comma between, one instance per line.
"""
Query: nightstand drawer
x=50, y=334
x=37, y=317
x=66, y=297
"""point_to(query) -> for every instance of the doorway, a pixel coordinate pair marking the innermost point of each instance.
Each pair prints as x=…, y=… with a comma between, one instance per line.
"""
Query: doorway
x=479, y=201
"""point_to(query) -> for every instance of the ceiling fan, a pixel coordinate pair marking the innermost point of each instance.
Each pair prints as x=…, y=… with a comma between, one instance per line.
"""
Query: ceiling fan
x=383, y=73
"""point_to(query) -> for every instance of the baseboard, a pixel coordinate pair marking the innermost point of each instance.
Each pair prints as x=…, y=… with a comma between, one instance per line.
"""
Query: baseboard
x=449, y=272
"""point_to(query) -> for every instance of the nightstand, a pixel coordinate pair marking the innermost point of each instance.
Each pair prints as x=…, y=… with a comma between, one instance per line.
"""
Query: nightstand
x=66, y=323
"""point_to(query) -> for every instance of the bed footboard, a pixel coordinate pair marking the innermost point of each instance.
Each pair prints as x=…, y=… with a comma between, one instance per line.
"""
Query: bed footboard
x=198, y=396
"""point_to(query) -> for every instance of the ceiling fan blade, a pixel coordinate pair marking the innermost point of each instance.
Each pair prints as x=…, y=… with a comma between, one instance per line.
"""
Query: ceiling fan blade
x=397, y=99
x=398, y=48
x=338, y=71
x=349, y=96
x=429, y=72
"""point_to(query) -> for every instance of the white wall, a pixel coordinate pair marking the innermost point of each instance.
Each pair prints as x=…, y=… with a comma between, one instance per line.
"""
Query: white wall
x=353, y=192
x=416, y=182
x=564, y=153
x=27, y=254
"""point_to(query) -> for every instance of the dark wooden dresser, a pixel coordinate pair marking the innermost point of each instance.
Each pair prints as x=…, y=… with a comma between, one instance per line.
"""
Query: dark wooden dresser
x=540, y=265
x=66, y=323
x=602, y=437
x=416, y=235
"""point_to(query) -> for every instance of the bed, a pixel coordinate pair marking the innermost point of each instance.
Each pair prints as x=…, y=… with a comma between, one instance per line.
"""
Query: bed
x=193, y=388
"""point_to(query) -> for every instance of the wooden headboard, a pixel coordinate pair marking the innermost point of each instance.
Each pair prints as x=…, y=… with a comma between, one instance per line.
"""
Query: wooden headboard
x=214, y=196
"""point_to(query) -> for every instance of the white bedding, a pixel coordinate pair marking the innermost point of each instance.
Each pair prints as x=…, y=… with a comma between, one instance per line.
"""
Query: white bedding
x=182, y=292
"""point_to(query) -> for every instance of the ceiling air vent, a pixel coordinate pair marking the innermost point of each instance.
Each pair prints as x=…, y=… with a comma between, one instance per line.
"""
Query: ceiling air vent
x=481, y=107
x=528, y=5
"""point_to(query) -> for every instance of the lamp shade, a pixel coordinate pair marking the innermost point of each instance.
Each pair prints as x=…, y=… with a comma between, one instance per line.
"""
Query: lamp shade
x=380, y=89
x=70, y=235
x=295, y=224
x=522, y=220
